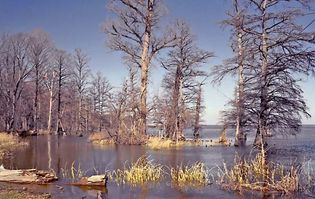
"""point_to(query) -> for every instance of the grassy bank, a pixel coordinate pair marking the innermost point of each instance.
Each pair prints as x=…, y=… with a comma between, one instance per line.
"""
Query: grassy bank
x=8, y=143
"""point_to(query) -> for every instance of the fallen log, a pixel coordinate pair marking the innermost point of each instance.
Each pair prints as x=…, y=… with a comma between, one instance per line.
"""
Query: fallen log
x=27, y=176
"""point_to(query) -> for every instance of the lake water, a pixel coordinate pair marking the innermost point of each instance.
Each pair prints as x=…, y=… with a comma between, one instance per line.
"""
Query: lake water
x=51, y=152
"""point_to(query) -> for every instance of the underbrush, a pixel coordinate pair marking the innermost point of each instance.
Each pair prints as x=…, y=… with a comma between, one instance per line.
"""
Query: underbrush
x=260, y=175
x=142, y=171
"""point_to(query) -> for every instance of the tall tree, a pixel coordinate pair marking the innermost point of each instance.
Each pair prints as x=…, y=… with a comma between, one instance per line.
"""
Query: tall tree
x=276, y=52
x=135, y=33
x=183, y=64
x=15, y=72
x=39, y=52
x=50, y=82
x=283, y=51
x=100, y=91
x=81, y=74
x=62, y=65
x=198, y=107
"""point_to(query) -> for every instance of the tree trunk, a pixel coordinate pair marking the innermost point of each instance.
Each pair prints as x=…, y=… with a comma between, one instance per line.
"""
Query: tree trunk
x=50, y=110
x=240, y=138
x=175, y=119
x=145, y=61
x=197, y=114
x=180, y=116
x=79, y=126
x=12, y=120
x=59, y=128
x=262, y=120
x=36, y=98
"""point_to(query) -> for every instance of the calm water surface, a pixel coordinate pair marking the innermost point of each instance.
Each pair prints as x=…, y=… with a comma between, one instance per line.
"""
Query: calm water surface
x=51, y=152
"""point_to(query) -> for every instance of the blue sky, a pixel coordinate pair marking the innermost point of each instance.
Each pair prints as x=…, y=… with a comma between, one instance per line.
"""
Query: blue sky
x=77, y=24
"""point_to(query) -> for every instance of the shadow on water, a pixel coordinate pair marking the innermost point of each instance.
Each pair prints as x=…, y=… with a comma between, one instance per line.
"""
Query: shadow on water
x=51, y=152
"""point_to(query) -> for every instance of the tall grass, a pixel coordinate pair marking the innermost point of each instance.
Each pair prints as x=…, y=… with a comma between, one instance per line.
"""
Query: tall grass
x=9, y=142
x=157, y=143
x=101, y=138
x=142, y=171
x=73, y=172
x=190, y=175
x=260, y=175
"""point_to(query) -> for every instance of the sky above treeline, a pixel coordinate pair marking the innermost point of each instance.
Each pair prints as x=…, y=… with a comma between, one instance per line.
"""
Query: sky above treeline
x=77, y=24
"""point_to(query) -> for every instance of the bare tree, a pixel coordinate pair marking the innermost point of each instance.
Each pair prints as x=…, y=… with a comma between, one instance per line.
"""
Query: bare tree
x=283, y=51
x=134, y=32
x=15, y=72
x=183, y=65
x=81, y=74
x=279, y=53
x=100, y=91
x=62, y=64
x=198, y=107
x=50, y=82
x=39, y=52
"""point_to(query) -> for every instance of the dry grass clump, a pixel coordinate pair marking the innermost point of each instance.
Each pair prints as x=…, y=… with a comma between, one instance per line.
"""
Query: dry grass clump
x=157, y=143
x=260, y=175
x=141, y=172
x=9, y=142
x=101, y=138
x=223, y=139
x=190, y=175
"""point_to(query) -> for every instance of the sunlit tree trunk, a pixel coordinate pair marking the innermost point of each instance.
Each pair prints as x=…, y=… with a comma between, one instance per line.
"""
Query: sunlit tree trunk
x=145, y=61
x=262, y=120
x=240, y=138
x=50, y=110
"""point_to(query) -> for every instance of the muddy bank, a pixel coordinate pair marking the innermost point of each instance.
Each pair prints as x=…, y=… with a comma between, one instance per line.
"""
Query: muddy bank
x=17, y=191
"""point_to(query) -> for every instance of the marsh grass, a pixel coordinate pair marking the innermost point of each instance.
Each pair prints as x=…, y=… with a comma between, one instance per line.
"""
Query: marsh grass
x=100, y=138
x=190, y=175
x=9, y=142
x=73, y=172
x=259, y=175
x=141, y=172
x=157, y=143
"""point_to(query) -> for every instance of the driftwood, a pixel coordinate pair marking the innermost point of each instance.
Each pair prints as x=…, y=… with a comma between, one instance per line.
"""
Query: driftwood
x=96, y=180
x=27, y=176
